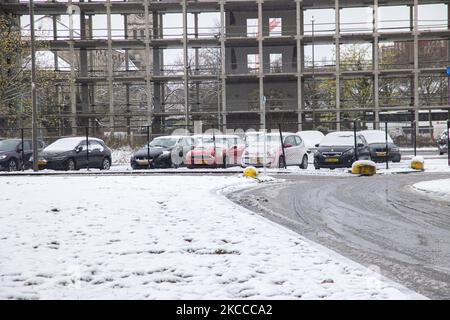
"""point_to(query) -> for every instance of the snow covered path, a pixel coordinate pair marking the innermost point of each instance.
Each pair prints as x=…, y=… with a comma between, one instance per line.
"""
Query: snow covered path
x=439, y=188
x=160, y=237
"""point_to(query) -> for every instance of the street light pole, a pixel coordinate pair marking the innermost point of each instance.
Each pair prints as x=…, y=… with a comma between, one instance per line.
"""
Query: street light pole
x=313, y=73
x=33, y=90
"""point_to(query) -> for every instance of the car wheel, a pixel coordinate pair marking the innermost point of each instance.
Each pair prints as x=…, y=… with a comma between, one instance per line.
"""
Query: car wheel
x=304, y=164
x=226, y=161
x=12, y=165
x=316, y=164
x=281, y=163
x=106, y=164
x=71, y=165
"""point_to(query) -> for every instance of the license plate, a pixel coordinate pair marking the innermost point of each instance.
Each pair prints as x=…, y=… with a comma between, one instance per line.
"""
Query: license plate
x=332, y=160
x=42, y=162
x=381, y=154
x=142, y=162
x=204, y=162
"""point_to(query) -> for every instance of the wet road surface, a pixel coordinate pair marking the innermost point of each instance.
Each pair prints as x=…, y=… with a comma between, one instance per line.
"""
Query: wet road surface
x=377, y=221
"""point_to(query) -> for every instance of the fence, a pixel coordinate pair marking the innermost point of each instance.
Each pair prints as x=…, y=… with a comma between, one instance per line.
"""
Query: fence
x=404, y=134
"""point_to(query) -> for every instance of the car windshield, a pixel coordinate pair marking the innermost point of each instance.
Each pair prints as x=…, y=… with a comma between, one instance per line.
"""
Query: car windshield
x=311, y=138
x=66, y=144
x=163, y=142
x=258, y=139
x=342, y=139
x=8, y=145
x=376, y=136
x=218, y=142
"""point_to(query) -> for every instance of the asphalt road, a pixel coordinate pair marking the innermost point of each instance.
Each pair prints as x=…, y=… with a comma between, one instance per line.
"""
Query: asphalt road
x=377, y=221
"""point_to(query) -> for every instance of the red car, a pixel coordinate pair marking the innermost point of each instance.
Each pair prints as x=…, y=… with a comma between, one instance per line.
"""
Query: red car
x=215, y=151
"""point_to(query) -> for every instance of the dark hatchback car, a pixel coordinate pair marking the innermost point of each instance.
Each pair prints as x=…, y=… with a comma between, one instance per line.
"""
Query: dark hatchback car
x=11, y=154
x=165, y=152
x=443, y=143
x=377, y=144
x=71, y=154
x=337, y=150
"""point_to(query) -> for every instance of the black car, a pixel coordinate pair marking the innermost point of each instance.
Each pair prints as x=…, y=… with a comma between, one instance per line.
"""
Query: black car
x=165, y=152
x=11, y=154
x=377, y=144
x=443, y=143
x=71, y=154
x=337, y=150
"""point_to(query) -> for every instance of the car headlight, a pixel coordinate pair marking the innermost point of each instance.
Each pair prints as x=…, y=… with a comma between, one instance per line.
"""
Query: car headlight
x=2, y=157
x=348, y=152
x=166, y=153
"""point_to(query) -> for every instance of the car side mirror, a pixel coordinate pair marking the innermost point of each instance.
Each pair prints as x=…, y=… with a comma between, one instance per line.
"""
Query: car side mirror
x=360, y=145
x=78, y=149
x=19, y=149
x=317, y=145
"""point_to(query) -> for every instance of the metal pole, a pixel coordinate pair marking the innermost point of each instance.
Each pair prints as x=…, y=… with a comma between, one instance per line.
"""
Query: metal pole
x=387, y=145
x=282, y=146
x=148, y=147
x=22, y=151
x=265, y=136
x=448, y=142
x=87, y=148
x=33, y=90
x=313, y=74
x=414, y=127
x=356, y=144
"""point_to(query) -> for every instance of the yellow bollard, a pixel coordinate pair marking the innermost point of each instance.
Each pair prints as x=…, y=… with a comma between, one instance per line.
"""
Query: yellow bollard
x=417, y=163
x=250, y=172
x=364, y=167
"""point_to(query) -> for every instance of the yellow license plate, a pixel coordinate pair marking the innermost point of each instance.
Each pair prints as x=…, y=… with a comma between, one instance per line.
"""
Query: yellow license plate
x=381, y=154
x=332, y=160
x=42, y=162
x=204, y=162
x=142, y=162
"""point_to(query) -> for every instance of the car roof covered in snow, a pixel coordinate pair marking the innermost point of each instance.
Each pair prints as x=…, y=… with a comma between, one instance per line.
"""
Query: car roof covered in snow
x=375, y=136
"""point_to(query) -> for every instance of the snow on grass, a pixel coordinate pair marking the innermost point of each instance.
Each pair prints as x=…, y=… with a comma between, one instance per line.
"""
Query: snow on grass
x=160, y=237
x=438, y=188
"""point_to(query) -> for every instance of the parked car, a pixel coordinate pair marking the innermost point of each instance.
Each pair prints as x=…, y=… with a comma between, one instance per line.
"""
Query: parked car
x=215, y=151
x=377, y=144
x=443, y=143
x=311, y=138
x=294, y=150
x=71, y=154
x=337, y=150
x=165, y=152
x=11, y=154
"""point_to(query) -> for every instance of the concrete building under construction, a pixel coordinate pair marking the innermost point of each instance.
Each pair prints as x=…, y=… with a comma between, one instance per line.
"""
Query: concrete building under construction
x=242, y=59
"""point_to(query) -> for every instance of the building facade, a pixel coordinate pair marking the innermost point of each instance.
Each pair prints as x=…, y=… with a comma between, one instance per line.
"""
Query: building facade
x=300, y=63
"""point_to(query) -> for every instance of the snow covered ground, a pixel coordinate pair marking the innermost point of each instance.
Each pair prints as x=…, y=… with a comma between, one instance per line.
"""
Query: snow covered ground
x=161, y=237
x=437, y=188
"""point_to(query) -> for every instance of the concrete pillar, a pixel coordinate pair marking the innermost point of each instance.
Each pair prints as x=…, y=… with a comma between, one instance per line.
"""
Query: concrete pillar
x=73, y=62
x=148, y=77
x=262, y=106
x=416, y=64
x=223, y=69
x=299, y=35
x=185, y=63
x=376, y=69
x=83, y=71
x=337, y=37
x=110, y=66
x=156, y=54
